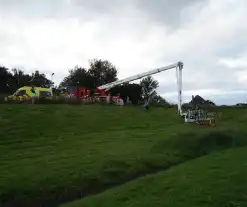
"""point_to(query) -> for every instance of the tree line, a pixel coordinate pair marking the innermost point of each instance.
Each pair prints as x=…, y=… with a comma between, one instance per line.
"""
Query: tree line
x=12, y=79
x=98, y=73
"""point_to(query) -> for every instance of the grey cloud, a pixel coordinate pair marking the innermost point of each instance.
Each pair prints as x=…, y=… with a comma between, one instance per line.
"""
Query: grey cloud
x=101, y=7
x=162, y=11
x=35, y=4
x=233, y=48
x=36, y=9
x=211, y=85
x=166, y=11
x=229, y=99
x=61, y=8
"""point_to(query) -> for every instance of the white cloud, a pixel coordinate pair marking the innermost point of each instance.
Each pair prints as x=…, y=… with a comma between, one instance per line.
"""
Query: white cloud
x=238, y=62
x=54, y=37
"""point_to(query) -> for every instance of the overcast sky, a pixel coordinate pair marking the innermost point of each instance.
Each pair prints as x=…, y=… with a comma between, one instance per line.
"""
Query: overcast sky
x=209, y=36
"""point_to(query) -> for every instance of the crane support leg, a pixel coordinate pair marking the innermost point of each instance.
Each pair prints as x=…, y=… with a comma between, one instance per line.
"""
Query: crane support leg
x=179, y=86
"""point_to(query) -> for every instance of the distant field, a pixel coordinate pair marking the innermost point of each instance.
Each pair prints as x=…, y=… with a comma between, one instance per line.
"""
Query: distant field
x=55, y=153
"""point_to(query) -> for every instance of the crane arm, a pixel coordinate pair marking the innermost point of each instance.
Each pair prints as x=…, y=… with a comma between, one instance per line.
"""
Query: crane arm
x=138, y=76
x=178, y=66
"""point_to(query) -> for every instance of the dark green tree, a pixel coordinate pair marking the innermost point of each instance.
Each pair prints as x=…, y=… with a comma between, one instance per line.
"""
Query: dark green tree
x=149, y=86
x=19, y=79
x=77, y=77
x=99, y=73
x=102, y=72
x=11, y=80
x=5, y=80
x=39, y=80
x=133, y=91
x=159, y=100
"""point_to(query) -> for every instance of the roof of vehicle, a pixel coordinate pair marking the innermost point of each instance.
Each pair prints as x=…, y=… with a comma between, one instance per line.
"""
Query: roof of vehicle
x=39, y=88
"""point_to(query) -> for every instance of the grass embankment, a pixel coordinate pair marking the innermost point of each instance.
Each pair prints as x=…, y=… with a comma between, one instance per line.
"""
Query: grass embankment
x=215, y=180
x=55, y=153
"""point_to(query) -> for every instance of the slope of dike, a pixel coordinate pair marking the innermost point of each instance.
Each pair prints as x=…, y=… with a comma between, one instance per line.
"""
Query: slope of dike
x=215, y=180
x=52, y=154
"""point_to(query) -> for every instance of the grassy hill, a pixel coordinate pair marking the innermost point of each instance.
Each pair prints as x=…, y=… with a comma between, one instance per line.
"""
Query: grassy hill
x=218, y=179
x=50, y=154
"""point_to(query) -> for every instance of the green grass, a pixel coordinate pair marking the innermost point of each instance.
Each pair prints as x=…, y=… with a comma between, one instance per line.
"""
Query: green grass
x=218, y=179
x=56, y=153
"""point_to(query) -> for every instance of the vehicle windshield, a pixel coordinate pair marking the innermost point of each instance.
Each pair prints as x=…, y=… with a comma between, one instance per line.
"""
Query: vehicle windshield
x=71, y=89
x=19, y=92
x=45, y=94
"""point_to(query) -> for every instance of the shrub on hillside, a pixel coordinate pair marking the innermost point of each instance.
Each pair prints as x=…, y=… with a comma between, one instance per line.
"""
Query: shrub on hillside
x=196, y=144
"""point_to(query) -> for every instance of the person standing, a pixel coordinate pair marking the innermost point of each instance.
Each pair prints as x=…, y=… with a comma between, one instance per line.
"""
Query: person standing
x=33, y=94
x=146, y=104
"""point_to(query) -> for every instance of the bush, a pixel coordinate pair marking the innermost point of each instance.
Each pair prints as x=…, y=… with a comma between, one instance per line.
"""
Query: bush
x=60, y=100
x=197, y=144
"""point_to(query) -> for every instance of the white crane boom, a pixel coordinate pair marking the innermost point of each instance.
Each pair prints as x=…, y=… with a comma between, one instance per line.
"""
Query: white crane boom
x=178, y=66
x=136, y=77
